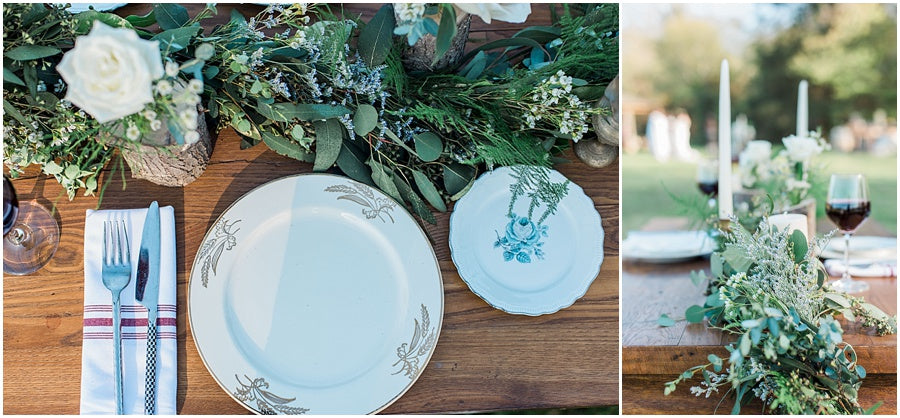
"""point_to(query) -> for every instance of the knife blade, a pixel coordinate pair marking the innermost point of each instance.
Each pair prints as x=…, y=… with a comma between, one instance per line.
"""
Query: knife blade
x=147, y=294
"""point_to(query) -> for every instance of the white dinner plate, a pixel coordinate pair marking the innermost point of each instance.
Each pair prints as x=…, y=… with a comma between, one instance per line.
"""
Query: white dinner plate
x=315, y=294
x=862, y=247
x=666, y=246
x=519, y=264
x=100, y=7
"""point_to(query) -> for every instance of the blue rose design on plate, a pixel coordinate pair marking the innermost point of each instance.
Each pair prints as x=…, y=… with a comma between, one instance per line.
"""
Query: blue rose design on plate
x=522, y=241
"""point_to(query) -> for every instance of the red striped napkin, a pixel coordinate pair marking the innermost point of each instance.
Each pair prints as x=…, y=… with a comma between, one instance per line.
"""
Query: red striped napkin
x=97, y=381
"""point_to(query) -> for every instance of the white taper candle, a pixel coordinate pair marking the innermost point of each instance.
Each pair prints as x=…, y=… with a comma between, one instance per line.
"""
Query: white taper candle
x=725, y=200
x=803, y=109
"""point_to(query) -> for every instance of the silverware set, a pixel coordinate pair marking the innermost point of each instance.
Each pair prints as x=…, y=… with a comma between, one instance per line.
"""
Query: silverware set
x=116, y=275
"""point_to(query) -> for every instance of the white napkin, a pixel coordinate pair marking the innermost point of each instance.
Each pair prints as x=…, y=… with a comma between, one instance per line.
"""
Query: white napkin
x=98, y=390
x=862, y=268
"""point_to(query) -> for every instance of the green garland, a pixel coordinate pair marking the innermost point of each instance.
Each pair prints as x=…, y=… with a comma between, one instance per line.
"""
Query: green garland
x=768, y=291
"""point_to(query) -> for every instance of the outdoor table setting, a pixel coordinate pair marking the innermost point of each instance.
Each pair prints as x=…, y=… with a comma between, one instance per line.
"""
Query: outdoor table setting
x=726, y=309
x=246, y=254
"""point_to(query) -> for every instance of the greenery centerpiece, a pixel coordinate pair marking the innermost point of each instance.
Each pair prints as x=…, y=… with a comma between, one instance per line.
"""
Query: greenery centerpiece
x=768, y=291
x=318, y=87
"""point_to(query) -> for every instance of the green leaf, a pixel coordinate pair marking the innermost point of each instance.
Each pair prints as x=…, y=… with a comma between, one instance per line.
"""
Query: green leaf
x=142, y=21
x=446, y=32
x=307, y=111
x=665, y=321
x=170, y=15
x=52, y=168
x=384, y=180
x=11, y=77
x=476, y=67
x=695, y=314
x=351, y=161
x=365, y=119
x=737, y=259
x=502, y=43
x=173, y=40
x=210, y=72
x=540, y=34
x=31, y=52
x=87, y=18
x=414, y=200
x=716, y=362
x=12, y=111
x=329, y=135
x=286, y=147
x=375, y=39
x=431, y=194
x=871, y=411
x=428, y=146
x=800, y=246
x=72, y=172
x=457, y=176
x=698, y=277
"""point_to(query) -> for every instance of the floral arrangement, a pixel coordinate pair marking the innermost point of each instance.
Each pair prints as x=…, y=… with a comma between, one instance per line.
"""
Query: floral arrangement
x=311, y=85
x=788, y=177
x=66, y=110
x=768, y=291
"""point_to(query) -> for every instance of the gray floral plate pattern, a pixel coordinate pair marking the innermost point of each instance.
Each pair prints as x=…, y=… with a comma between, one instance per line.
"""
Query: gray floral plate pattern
x=315, y=294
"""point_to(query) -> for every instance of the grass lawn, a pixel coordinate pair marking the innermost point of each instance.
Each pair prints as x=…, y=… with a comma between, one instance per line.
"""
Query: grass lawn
x=644, y=196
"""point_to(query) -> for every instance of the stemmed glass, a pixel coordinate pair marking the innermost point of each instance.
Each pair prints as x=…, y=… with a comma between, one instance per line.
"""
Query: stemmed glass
x=848, y=206
x=30, y=233
x=708, y=179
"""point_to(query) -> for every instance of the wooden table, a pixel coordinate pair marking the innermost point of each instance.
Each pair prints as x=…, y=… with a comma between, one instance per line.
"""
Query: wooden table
x=485, y=359
x=652, y=355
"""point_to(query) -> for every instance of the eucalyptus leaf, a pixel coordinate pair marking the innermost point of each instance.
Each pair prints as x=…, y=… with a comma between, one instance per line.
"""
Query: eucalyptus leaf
x=431, y=194
x=376, y=38
x=86, y=19
x=174, y=40
x=414, y=200
x=286, y=147
x=329, y=135
x=428, y=146
x=446, y=32
x=384, y=180
x=30, y=52
x=170, y=15
x=737, y=259
x=142, y=21
x=308, y=111
x=351, y=161
x=665, y=321
x=540, y=34
x=695, y=314
x=52, y=168
x=799, y=245
x=11, y=77
x=365, y=119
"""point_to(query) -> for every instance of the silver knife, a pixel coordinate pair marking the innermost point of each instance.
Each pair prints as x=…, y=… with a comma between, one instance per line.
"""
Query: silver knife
x=147, y=293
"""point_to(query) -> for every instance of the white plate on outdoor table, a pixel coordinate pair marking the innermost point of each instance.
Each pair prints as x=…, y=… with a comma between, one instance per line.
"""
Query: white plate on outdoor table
x=666, y=246
x=559, y=267
x=100, y=7
x=861, y=247
x=315, y=294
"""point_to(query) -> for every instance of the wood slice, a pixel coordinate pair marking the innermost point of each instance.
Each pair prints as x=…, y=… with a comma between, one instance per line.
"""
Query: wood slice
x=172, y=165
x=420, y=56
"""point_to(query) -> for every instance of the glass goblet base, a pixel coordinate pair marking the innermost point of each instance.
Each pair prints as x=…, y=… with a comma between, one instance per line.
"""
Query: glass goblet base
x=848, y=285
x=32, y=241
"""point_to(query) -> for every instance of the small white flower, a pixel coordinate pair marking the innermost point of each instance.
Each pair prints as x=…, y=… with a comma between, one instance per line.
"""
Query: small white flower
x=149, y=115
x=164, y=87
x=205, y=51
x=188, y=118
x=801, y=148
x=155, y=124
x=191, y=137
x=195, y=86
x=132, y=133
x=409, y=11
x=171, y=69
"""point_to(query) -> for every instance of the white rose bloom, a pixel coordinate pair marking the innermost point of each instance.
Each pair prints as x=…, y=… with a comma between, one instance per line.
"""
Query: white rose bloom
x=801, y=148
x=110, y=72
x=757, y=152
x=504, y=12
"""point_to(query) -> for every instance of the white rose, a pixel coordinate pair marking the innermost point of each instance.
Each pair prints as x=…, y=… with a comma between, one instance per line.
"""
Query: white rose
x=110, y=72
x=757, y=152
x=504, y=12
x=801, y=148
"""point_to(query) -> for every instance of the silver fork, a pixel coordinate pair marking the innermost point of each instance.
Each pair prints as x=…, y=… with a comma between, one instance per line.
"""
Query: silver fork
x=116, y=274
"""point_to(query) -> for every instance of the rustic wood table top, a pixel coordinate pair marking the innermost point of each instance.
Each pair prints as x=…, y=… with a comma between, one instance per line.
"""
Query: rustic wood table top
x=653, y=354
x=484, y=360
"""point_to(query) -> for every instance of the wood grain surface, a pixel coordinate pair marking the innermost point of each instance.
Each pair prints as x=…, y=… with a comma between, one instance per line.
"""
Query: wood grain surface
x=485, y=359
x=653, y=355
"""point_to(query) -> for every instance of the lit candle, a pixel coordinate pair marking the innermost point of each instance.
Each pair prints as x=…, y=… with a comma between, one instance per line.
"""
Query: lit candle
x=803, y=109
x=790, y=221
x=725, y=200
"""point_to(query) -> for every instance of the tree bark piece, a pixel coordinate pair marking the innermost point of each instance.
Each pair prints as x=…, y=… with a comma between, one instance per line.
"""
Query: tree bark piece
x=420, y=56
x=173, y=165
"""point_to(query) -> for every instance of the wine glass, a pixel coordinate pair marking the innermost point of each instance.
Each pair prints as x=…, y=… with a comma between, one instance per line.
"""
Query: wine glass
x=848, y=206
x=30, y=233
x=708, y=179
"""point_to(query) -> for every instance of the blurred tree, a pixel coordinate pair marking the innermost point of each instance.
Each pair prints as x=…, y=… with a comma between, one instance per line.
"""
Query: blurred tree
x=848, y=52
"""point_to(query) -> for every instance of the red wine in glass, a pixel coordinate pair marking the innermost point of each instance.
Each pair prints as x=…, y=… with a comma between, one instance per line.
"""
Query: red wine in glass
x=848, y=214
x=709, y=188
x=848, y=206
